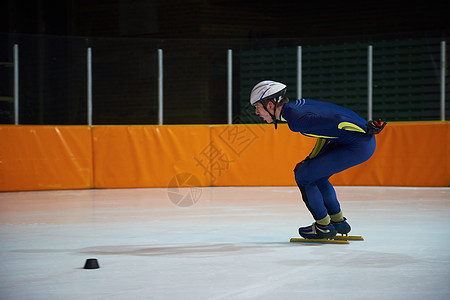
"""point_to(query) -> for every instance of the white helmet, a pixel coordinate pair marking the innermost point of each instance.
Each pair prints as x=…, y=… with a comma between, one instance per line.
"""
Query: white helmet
x=267, y=89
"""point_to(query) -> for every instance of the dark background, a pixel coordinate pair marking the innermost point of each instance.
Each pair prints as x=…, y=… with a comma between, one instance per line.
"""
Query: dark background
x=222, y=18
x=195, y=35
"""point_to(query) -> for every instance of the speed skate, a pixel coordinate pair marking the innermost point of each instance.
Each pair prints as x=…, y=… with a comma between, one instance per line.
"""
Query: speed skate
x=338, y=239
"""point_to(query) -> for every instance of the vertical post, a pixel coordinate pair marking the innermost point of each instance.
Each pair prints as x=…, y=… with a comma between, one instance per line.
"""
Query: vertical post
x=443, y=73
x=89, y=86
x=16, y=84
x=160, y=87
x=299, y=72
x=369, y=82
x=230, y=86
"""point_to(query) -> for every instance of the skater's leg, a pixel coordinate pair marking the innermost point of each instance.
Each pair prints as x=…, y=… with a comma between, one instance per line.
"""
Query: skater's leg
x=332, y=204
x=317, y=192
x=312, y=179
x=322, y=228
x=314, y=201
x=329, y=196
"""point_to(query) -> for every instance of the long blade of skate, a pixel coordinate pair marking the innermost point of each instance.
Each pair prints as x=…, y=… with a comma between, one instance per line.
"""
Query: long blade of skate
x=349, y=237
x=319, y=241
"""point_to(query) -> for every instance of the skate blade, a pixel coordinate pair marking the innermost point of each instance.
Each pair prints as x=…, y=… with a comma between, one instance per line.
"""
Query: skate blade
x=319, y=241
x=349, y=237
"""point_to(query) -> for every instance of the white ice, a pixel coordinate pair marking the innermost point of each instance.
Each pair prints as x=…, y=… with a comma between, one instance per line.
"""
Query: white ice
x=231, y=244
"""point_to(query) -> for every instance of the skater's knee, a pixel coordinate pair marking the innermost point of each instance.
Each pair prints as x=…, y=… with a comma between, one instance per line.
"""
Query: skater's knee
x=304, y=174
x=302, y=179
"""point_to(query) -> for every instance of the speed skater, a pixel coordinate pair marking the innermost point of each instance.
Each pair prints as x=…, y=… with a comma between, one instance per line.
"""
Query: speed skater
x=344, y=140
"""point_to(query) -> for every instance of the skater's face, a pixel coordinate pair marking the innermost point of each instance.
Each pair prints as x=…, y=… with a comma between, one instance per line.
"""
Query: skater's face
x=260, y=111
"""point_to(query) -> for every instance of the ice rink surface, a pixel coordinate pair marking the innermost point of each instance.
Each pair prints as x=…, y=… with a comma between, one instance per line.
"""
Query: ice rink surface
x=232, y=243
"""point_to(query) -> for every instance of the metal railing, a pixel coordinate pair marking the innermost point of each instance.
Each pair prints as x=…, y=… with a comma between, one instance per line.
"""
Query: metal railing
x=167, y=85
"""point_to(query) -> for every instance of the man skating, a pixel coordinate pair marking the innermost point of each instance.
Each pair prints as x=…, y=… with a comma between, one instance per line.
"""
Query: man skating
x=344, y=140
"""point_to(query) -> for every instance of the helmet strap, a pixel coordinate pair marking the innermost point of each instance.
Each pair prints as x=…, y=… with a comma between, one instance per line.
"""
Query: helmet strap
x=274, y=118
x=275, y=121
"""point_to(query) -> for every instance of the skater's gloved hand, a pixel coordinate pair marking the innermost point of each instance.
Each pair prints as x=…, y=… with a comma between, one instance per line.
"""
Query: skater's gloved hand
x=375, y=127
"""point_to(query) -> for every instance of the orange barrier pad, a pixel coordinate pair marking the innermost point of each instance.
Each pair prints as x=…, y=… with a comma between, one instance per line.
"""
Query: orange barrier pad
x=71, y=157
x=150, y=156
x=45, y=157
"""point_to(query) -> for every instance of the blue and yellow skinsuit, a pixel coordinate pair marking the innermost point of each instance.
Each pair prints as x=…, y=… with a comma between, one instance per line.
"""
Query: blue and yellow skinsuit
x=342, y=143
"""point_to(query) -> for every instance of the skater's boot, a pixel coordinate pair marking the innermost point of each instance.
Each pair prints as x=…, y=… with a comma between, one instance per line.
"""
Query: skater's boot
x=317, y=231
x=342, y=227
